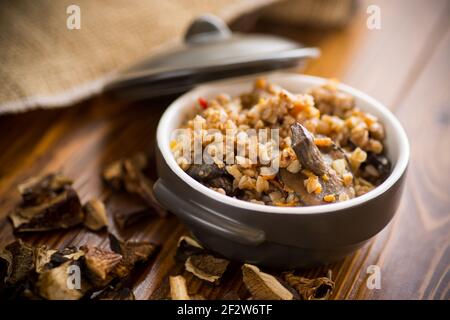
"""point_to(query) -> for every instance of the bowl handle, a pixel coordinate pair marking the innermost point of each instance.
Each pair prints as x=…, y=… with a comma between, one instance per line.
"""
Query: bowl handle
x=196, y=214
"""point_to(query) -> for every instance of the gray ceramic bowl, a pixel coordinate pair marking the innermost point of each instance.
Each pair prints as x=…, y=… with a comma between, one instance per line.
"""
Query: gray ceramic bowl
x=278, y=237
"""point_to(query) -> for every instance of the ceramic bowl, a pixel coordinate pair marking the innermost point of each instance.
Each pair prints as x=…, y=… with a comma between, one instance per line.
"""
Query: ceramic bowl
x=278, y=237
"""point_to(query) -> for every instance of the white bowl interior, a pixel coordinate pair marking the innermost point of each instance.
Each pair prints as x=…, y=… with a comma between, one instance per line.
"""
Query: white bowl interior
x=396, y=142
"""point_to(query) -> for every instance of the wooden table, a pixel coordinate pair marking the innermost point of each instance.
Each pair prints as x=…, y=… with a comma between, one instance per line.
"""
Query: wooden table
x=405, y=64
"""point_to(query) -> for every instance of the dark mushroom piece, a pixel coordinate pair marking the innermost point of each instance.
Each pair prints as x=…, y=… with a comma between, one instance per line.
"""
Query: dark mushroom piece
x=40, y=273
x=376, y=168
x=205, y=172
x=48, y=202
x=41, y=189
x=212, y=176
x=129, y=174
x=187, y=247
x=312, y=159
x=100, y=264
x=18, y=258
x=206, y=267
x=310, y=289
x=132, y=253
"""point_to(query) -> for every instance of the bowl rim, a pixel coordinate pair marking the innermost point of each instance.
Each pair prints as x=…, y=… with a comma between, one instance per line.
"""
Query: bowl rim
x=396, y=173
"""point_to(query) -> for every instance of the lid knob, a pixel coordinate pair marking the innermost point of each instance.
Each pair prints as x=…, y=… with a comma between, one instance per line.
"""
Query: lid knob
x=205, y=28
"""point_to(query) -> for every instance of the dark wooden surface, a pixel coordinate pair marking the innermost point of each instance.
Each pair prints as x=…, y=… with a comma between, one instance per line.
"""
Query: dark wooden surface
x=406, y=65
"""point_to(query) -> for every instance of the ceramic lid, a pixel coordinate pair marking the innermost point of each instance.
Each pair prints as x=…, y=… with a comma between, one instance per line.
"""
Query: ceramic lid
x=210, y=51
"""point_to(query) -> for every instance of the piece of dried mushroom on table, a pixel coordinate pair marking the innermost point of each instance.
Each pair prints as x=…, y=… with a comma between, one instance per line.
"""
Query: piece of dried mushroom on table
x=186, y=247
x=199, y=261
x=179, y=290
x=38, y=272
x=264, y=286
x=95, y=215
x=49, y=202
x=128, y=174
x=311, y=289
x=132, y=252
x=207, y=266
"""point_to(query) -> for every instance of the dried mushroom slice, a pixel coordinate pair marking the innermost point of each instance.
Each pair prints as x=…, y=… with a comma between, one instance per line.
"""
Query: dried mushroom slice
x=113, y=174
x=322, y=181
x=187, y=246
x=131, y=252
x=206, y=267
x=100, y=263
x=178, y=288
x=129, y=174
x=310, y=289
x=95, y=216
x=64, y=255
x=136, y=182
x=212, y=176
x=43, y=257
x=70, y=273
x=61, y=283
x=263, y=286
x=62, y=211
x=19, y=259
x=38, y=190
x=205, y=172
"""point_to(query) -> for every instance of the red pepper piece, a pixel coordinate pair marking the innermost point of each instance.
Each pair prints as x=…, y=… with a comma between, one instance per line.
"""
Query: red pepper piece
x=203, y=103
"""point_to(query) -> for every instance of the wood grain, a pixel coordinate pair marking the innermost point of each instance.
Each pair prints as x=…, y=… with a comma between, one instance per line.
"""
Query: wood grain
x=405, y=65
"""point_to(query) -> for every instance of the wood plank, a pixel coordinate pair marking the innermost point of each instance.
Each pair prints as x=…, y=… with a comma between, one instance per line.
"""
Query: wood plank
x=415, y=260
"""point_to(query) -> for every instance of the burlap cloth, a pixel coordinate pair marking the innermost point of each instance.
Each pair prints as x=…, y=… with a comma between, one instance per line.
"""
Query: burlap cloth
x=44, y=64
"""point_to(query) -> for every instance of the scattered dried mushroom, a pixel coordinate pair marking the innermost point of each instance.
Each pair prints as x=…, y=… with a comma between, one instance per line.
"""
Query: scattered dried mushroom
x=128, y=174
x=40, y=273
x=187, y=247
x=95, y=215
x=310, y=289
x=132, y=252
x=200, y=261
x=206, y=267
x=262, y=286
x=49, y=202
x=179, y=290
